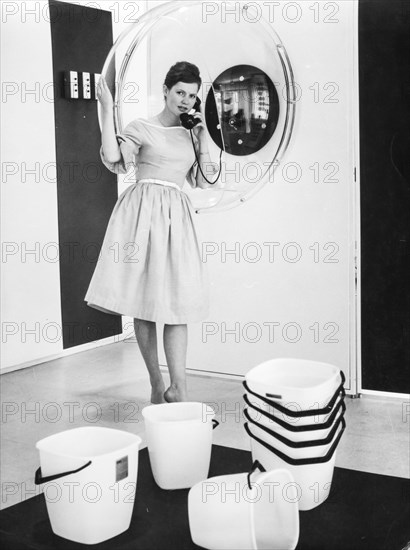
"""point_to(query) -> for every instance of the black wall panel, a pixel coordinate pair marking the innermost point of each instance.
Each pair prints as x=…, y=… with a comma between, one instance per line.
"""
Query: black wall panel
x=384, y=87
x=87, y=191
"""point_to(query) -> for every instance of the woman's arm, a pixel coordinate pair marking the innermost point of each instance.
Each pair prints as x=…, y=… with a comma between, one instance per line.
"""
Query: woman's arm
x=108, y=138
x=109, y=141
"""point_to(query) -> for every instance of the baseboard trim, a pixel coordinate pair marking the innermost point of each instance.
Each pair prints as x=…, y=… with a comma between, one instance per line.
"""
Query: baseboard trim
x=66, y=352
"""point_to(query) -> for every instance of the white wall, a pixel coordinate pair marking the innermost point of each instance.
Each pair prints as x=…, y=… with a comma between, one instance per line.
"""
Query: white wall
x=30, y=281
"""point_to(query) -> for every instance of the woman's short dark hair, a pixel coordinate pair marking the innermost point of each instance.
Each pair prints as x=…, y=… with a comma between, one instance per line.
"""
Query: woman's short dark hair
x=183, y=71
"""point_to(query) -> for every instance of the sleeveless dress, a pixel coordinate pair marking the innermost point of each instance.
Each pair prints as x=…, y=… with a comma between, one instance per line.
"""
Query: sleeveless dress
x=150, y=265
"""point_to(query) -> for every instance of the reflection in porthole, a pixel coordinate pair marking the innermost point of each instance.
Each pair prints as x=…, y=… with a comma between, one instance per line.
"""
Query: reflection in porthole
x=243, y=106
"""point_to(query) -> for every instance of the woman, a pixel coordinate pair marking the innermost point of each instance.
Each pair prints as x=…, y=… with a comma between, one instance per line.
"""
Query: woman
x=150, y=265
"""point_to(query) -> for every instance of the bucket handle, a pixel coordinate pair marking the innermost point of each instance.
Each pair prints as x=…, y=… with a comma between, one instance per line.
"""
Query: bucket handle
x=39, y=479
x=255, y=465
x=305, y=428
x=299, y=461
x=215, y=423
x=298, y=414
x=296, y=444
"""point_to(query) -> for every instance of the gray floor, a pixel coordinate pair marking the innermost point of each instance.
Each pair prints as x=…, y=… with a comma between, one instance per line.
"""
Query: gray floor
x=108, y=386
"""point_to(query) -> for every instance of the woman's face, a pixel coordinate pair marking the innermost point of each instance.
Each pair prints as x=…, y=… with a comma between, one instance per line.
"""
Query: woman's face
x=181, y=97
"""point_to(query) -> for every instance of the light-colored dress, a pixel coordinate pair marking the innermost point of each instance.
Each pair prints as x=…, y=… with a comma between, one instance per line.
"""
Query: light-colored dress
x=150, y=265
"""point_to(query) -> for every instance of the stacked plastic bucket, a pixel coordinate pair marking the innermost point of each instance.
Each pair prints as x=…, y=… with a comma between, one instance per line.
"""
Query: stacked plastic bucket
x=295, y=420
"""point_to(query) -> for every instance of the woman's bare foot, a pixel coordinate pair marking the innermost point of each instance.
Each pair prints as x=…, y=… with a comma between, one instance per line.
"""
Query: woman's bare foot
x=176, y=393
x=157, y=394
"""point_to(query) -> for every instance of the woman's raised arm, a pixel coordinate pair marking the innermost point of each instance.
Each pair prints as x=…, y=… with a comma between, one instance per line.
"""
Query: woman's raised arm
x=108, y=138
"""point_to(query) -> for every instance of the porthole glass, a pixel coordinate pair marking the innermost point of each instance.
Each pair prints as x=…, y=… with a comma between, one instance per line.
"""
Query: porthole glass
x=242, y=110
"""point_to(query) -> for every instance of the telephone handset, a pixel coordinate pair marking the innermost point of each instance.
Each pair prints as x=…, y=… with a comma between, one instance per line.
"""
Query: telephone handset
x=189, y=121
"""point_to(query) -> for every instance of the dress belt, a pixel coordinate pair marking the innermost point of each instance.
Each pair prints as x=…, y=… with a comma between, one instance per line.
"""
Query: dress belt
x=160, y=182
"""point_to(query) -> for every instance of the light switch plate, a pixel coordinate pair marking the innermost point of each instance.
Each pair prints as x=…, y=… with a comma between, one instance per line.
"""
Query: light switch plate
x=86, y=85
x=74, y=85
x=71, y=84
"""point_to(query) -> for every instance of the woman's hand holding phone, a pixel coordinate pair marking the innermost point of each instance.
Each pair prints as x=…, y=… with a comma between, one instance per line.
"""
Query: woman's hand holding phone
x=199, y=128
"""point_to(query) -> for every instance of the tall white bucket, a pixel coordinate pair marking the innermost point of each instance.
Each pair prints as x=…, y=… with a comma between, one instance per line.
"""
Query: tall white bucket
x=313, y=475
x=240, y=512
x=179, y=439
x=90, y=477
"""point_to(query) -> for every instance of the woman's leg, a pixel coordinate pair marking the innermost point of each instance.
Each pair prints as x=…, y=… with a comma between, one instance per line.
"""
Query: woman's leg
x=175, y=347
x=146, y=334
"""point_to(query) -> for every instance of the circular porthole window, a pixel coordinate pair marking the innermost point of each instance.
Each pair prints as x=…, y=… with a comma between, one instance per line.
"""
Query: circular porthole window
x=247, y=93
x=242, y=110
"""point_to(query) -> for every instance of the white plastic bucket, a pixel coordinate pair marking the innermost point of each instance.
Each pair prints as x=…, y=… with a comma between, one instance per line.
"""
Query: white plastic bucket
x=179, y=439
x=297, y=449
x=299, y=381
x=312, y=476
x=293, y=430
x=90, y=477
x=293, y=414
x=226, y=513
